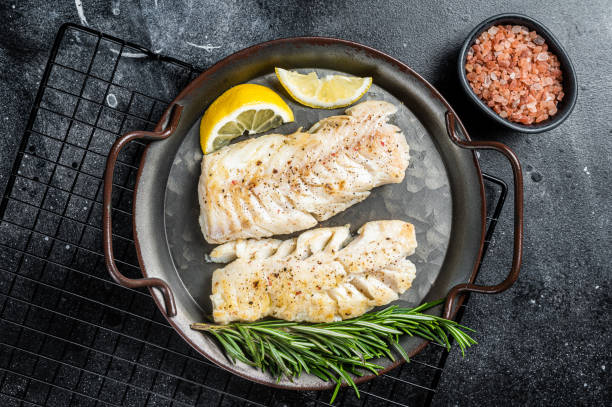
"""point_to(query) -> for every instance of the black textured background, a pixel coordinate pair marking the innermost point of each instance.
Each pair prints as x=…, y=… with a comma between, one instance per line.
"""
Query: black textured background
x=546, y=341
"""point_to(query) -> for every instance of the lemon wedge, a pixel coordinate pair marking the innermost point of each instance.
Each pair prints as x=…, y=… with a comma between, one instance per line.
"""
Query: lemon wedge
x=244, y=108
x=330, y=92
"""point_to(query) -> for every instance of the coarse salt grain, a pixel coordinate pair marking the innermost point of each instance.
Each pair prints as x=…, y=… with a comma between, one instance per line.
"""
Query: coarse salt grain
x=511, y=70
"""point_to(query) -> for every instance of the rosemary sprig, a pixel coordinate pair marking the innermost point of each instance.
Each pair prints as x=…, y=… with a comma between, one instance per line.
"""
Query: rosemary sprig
x=333, y=351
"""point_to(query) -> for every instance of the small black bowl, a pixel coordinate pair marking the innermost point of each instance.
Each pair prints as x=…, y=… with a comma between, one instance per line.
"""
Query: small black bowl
x=570, y=87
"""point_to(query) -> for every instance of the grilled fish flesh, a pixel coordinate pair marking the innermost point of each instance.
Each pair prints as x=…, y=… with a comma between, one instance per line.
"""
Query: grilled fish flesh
x=320, y=276
x=280, y=184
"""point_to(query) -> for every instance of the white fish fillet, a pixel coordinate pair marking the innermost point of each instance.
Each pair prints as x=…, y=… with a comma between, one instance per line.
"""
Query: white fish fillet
x=315, y=277
x=280, y=184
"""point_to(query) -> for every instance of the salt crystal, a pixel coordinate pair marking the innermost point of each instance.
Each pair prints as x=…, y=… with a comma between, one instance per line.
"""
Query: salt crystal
x=516, y=29
x=493, y=30
x=503, y=114
x=542, y=56
x=500, y=99
x=493, y=76
x=512, y=75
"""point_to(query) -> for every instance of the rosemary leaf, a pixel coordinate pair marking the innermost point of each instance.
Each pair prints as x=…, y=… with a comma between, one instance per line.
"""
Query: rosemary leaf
x=320, y=331
x=333, y=351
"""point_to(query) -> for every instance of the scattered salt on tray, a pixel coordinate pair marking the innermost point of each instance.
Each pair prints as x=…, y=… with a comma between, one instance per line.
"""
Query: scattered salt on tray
x=512, y=71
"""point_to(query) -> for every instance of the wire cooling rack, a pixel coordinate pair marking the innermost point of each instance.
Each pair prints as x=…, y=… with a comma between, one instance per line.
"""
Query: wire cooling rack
x=69, y=335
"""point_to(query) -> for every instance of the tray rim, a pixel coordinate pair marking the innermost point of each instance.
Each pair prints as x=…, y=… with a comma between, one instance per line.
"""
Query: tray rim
x=245, y=53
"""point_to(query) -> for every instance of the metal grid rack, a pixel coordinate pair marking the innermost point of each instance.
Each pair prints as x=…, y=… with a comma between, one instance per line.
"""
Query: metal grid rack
x=69, y=335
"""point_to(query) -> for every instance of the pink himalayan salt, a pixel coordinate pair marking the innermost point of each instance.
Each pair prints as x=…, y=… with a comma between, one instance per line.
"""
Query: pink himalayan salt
x=511, y=70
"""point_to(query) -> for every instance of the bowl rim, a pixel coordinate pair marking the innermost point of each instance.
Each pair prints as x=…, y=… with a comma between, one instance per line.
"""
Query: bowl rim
x=571, y=91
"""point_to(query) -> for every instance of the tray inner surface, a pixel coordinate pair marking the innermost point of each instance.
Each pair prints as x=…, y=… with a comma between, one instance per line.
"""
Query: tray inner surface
x=423, y=199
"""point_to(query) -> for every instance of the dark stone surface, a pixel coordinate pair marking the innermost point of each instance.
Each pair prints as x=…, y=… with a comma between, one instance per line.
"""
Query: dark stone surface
x=546, y=341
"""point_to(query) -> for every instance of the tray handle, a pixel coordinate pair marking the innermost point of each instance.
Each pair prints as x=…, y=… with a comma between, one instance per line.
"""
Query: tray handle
x=455, y=292
x=163, y=130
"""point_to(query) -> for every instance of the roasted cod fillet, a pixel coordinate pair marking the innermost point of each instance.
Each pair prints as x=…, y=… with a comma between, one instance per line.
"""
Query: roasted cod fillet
x=280, y=184
x=320, y=276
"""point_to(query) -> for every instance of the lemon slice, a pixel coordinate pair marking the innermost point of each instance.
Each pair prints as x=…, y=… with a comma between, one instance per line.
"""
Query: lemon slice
x=329, y=92
x=244, y=108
